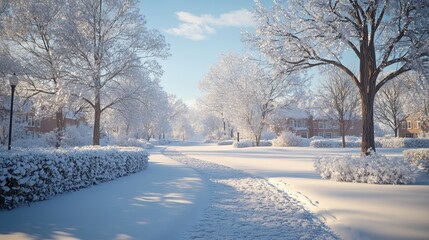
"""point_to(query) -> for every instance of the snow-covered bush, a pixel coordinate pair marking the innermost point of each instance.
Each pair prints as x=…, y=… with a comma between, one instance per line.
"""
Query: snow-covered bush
x=77, y=136
x=289, y=139
x=27, y=176
x=251, y=143
x=133, y=142
x=325, y=143
x=351, y=142
x=210, y=141
x=375, y=168
x=418, y=157
x=243, y=143
x=225, y=142
x=403, y=142
x=264, y=143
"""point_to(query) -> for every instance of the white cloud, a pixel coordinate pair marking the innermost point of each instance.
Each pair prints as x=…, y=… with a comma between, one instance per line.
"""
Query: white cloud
x=198, y=27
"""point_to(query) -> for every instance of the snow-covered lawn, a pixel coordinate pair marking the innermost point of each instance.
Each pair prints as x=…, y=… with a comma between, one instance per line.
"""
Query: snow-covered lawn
x=352, y=210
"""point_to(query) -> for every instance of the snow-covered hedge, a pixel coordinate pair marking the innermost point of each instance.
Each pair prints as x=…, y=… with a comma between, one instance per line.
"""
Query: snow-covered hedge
x=243, y=143
x=351, y=142
x=375, y=168
x=289, y=139
x=264, y=143
x=251, y=143
x=403, y=142
x=418, y=157
x=27, y=176
x=225, y=142
x=133, y=142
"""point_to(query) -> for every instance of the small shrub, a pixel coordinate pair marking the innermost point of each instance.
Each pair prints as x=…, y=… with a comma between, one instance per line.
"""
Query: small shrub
x=375, y=169
x=225, y=142
x=289, y=139
x=243, y=144
x=133, y=142
x=325, y=143
x=418, y=157
x=264, y=143
x=351, y=142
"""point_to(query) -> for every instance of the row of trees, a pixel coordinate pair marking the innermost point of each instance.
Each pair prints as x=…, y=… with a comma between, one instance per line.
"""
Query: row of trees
x=87, y=56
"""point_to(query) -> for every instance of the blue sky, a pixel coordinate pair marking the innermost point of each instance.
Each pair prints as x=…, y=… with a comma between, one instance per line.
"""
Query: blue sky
x=198, y=32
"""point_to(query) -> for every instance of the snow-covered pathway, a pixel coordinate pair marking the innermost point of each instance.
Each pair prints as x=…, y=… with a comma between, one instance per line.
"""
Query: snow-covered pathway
x=247, y=207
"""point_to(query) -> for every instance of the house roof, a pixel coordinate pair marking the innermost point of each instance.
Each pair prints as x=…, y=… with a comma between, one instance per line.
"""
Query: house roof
x=293, y=112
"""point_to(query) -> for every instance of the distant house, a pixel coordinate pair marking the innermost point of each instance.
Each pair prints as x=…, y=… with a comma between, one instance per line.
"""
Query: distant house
x=34, y=125
x=412, y=127
x=307, y=125
x=27, y=119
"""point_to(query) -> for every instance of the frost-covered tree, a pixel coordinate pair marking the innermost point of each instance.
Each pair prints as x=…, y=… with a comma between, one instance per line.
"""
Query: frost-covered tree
x=104, y=40
x=376, y=35
x=389, y=105
x=33, y=32
x=247, y=92
x=340, y=101
x=143, y=113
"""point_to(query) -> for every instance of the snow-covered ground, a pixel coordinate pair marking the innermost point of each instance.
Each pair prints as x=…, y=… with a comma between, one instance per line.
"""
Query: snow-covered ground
x=157, y=203
x=353, y=211
x=219, y=192
x=247, y=207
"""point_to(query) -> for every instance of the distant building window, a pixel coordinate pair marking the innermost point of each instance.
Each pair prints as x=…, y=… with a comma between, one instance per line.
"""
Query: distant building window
x=409, y=125
x=304, y=135
x=328, y=125
x=321, y=125
x=328, y=135
x=292, y=123
x=336, y=126
x=315, y=125
x=404, y=125
x=321, y=134
x=419, y=124
x=302, y=123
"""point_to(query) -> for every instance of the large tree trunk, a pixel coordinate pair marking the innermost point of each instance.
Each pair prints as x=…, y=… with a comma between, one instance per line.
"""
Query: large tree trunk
x=367, y=123
x=97, y=117
x=396, y=123
x=368, y=78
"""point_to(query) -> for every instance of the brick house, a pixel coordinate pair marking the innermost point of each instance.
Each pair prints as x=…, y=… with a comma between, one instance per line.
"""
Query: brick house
x=412, y=127
x=308, y=125
x=27, y=119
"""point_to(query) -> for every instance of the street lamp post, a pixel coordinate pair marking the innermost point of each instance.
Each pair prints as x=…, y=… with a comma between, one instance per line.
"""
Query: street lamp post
x=13, y=80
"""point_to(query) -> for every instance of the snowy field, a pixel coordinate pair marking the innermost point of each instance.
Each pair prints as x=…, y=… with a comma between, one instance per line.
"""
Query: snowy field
x=203, y=191
x=352, y=210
